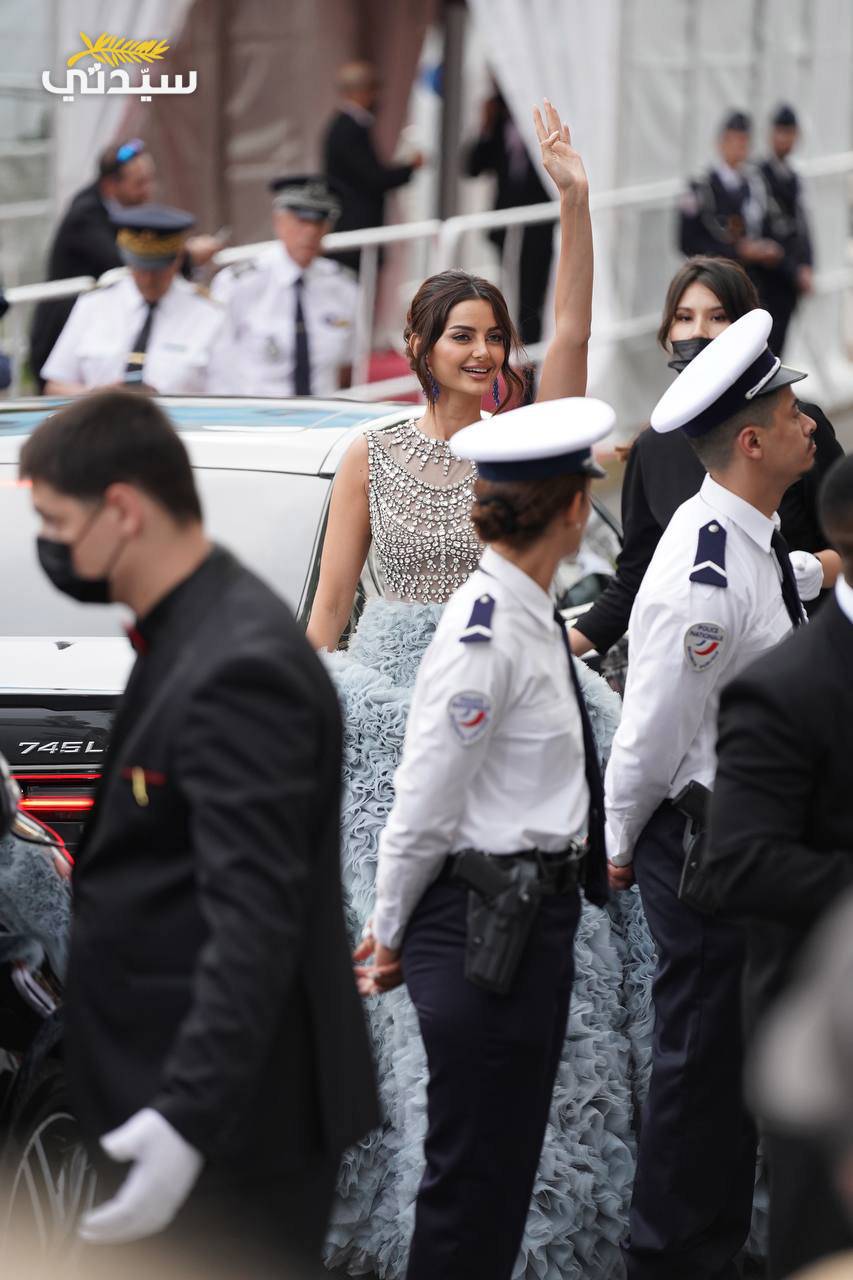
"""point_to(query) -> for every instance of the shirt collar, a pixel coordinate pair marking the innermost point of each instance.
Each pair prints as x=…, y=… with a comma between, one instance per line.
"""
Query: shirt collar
x=360, y=114
x=143, y=636
x=288, y=270
x=759, y=527
x=522, y=586
x=730, y=178
x=844, y=597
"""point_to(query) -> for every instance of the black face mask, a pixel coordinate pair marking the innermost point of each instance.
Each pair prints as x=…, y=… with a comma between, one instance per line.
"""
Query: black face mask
x=685, y=350
x=56, y=559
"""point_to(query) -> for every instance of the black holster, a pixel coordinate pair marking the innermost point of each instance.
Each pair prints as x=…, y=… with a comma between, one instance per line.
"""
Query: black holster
x=505, y=893
x=696, y=886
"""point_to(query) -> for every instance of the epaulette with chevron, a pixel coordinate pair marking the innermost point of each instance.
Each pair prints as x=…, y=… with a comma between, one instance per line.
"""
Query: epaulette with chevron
x=709, y=567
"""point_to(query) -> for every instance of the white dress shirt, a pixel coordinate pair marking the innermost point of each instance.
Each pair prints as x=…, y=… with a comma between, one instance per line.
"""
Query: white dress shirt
x=103, y=326
x=493, y=757
x=256, y=355
x=685, y=641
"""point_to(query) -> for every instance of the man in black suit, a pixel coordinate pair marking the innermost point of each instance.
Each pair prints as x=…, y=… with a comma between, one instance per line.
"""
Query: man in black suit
x=500, y=149
x=85, y=240
x=780, y=286
x=780, y=849
x=214, y=1034
x=350, y=158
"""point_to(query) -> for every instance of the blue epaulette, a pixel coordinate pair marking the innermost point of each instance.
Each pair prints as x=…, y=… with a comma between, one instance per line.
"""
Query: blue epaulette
x=709, y=566
x=479, y=626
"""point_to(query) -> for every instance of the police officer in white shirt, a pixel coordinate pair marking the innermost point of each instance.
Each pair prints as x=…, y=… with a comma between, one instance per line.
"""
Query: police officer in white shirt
x=152, y=327
x=290, y=314
x=498, y=798
x=719, y=591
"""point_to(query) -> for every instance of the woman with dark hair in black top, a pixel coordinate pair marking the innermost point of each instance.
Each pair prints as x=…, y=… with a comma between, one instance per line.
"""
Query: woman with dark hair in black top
x=704, y=297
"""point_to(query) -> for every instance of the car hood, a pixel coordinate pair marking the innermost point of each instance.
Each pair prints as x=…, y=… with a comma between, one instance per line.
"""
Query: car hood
x=97, y=665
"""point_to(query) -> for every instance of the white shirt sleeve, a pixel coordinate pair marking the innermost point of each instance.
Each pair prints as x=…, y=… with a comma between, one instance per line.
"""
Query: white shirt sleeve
x=665, y=703
x=63, y=364
x=441, y=754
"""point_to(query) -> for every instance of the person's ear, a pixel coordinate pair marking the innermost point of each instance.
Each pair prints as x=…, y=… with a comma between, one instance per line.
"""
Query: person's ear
x=128, y=504
x=578, y=509
x=750, y=442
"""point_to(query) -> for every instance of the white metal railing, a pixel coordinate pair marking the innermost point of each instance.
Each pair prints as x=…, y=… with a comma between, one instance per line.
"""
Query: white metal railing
x=441, y=241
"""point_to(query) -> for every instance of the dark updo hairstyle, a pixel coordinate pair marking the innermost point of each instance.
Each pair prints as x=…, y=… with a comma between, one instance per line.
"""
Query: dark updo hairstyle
x=427, y=320
x=518, y=512
x=726, y=279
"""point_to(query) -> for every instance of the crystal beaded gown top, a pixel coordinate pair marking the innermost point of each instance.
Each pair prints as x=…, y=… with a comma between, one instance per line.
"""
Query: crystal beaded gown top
x=420, y=497
x=424, y=547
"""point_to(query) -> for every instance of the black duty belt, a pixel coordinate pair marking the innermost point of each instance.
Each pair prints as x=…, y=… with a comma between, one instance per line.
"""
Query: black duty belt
x=557, y=873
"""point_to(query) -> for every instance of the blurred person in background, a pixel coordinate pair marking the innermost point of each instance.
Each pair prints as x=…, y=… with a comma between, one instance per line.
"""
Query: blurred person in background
x=351, y=160
x=780, y=850
x=5, y=362
x=153, y=327
x=85, y=240
x=500, y=150
x=722, y=214
x=289, y=315
x=800, y=1074
x=704, y=297
x=781, y=285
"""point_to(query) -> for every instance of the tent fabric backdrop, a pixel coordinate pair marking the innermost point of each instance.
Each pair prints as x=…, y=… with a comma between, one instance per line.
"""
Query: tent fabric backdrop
x=644, y=86
x=87, y=125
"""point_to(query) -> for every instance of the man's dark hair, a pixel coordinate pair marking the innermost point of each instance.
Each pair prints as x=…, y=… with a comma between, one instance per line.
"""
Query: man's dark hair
x=108, y=438
x=716, y=447
x=835, y=505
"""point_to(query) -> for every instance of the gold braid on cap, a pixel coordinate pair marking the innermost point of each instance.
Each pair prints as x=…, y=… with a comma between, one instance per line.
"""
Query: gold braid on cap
x=150, y=244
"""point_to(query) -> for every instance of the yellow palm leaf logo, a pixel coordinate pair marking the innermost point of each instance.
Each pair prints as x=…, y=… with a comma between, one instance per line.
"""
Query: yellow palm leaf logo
x=114, y=49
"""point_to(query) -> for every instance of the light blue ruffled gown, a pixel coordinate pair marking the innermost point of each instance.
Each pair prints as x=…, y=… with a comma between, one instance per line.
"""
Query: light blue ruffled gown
x=419, y=500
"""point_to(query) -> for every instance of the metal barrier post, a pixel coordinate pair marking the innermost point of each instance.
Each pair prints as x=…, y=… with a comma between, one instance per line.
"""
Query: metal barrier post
x=363, y=345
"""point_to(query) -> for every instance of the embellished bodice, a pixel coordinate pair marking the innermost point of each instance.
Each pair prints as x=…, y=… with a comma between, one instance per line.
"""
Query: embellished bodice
x=420, y=499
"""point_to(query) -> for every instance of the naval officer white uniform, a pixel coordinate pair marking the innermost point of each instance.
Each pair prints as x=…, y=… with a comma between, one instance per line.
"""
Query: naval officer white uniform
x=290, y=314
x=152, y=326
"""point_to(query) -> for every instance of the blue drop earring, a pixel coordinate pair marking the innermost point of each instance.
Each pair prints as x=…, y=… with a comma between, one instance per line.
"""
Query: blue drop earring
x=496, y=393
x=434, y=388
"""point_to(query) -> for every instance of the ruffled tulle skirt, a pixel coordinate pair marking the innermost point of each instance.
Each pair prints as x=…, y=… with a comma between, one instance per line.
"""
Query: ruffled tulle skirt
x=579, y=1212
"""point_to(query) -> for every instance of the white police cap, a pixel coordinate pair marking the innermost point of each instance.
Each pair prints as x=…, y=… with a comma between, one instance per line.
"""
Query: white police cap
x=731, y=371
x=550, y=438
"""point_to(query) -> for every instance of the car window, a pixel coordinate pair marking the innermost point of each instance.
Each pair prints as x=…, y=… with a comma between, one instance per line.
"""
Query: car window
x=270, y=520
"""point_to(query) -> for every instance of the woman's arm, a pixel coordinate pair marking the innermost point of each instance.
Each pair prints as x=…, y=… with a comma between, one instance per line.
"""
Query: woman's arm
x=564, y=369
x=345, y=550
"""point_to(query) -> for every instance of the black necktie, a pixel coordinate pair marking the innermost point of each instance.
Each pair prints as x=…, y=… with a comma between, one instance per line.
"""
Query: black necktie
x=302, y=372
x=595, y=888
x=790, y=594
x=136, y=359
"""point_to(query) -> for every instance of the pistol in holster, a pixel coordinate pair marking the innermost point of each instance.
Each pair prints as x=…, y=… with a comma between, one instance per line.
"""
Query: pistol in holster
x=502, y=904
x=695, y=887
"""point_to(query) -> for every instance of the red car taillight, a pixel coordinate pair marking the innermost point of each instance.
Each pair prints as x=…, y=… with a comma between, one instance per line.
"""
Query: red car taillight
x=57, y=796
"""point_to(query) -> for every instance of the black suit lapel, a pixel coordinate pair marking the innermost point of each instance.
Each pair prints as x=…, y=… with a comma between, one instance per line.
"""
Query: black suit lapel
x=171, y=660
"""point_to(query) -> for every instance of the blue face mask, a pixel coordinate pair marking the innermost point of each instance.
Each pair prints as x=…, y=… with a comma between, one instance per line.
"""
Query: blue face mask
x=685, y=350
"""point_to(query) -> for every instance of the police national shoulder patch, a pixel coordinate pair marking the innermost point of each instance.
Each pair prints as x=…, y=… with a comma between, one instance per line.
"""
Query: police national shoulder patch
x=703, y=644
x=470, y=714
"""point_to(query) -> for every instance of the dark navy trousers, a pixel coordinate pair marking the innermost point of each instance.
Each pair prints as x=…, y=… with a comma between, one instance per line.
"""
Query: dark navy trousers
x=492, y=1062
x=692, y=1202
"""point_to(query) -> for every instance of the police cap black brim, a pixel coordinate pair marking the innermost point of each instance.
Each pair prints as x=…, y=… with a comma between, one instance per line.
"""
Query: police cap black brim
x=783, y=377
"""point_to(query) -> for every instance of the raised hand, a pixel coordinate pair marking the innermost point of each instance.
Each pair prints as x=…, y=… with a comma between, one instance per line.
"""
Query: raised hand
x=562, y=162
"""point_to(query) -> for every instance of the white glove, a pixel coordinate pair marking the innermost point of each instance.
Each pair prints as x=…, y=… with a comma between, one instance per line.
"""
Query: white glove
x=165, y=1169
x=808, y=572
